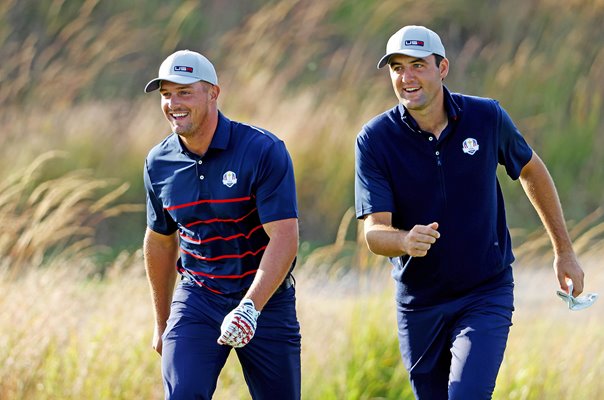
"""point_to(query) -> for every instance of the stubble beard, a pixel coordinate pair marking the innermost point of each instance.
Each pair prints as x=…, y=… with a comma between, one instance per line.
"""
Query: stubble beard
x=183, y=130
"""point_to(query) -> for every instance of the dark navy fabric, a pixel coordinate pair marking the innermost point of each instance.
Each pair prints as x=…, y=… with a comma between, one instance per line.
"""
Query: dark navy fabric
x=192, y=360
x=450, y=180
x=218, y=202
x=453, y=350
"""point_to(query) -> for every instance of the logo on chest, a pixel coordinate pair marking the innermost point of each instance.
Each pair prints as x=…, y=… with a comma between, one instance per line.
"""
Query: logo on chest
x=470, y=146
x=229, y=179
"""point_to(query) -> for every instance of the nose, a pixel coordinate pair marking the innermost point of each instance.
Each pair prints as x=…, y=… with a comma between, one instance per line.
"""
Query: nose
x=407, y=75
x=171, y=102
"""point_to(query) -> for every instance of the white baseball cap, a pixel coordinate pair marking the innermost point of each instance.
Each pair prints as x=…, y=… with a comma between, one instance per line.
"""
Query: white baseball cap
x=414, y=41
x=184, y=67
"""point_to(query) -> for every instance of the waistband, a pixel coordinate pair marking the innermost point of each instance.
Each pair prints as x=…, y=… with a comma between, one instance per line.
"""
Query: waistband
x=288, y=282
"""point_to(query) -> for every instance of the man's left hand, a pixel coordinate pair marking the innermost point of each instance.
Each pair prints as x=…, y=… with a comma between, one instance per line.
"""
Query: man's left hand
x=566, y=267
x=239, y=325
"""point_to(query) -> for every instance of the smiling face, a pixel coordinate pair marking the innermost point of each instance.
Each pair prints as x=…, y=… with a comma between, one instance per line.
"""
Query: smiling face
x=417, y=81
x=190, y=109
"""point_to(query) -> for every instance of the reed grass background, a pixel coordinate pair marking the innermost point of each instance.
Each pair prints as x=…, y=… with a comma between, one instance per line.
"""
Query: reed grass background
x=67, y=334
x=76, y=316
x=304, y=70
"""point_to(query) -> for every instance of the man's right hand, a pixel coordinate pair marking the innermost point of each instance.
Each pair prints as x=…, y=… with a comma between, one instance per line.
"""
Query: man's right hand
x=420, y=238
x=157, y=342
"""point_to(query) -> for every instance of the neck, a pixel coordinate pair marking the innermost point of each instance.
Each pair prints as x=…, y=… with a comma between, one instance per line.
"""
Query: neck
x=434, y=118
x=434, y=123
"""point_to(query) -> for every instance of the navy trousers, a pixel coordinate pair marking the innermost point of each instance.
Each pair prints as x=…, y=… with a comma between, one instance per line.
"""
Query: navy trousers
x=192, y=360
x=453, y=350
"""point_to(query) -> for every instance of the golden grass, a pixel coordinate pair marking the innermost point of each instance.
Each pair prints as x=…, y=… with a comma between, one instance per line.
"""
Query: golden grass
x=554, y=353
x=304, y=70
x=47, y=220
x=68, y=335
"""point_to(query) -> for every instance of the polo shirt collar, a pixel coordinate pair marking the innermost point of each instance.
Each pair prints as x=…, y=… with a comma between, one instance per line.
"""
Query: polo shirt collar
x=221, y=137
x=453, y=109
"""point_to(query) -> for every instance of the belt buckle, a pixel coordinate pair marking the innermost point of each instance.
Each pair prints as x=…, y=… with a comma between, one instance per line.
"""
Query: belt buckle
x=286, y=284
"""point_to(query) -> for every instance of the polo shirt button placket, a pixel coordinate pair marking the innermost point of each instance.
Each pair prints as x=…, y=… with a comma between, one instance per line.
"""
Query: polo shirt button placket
x=201, y=177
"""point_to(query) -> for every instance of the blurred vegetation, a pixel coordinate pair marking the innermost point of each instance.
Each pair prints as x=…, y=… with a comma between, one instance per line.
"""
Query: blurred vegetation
x=83, y=338
x=304, y=70
x=77, y=127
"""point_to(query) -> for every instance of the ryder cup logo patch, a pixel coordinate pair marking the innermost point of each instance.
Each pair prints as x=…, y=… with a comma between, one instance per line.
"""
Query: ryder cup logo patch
x=470, y=146
x=182, y=68
x=229, y=179
x=419, y=43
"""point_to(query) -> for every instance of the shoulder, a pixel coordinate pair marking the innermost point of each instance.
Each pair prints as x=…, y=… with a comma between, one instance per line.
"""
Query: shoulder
x=251, y=134
x=380, y=124
x=475, y=103
x=168, y=146
x=256, y=144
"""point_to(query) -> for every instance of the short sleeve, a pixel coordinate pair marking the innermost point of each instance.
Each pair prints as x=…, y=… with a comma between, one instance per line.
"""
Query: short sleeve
x=513, y=150
x=372, y=190
x=275, y=186
x=158, y=219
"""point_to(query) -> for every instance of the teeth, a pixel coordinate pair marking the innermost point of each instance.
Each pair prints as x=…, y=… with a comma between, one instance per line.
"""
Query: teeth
x=178, y=115
x=411, y=89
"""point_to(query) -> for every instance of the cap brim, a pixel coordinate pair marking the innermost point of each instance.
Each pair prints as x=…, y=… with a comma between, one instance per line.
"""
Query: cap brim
x=183, y=80
x=413, y=53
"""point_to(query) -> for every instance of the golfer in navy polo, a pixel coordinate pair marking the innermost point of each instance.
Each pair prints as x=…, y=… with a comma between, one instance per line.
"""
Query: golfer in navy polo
x=222, y=213
x=427, y=190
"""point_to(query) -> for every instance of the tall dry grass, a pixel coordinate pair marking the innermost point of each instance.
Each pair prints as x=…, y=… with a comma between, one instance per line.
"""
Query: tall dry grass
x=68, y=332
x=306, y=71
x=66, y=335
x=53, y=220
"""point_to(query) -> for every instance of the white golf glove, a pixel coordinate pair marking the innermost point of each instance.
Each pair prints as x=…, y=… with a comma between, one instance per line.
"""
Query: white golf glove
x=576, y=303
x=239, y=326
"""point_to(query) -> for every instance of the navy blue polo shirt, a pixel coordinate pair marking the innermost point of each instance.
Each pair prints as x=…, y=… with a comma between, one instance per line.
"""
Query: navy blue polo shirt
x=218, y=202
x=450, y=180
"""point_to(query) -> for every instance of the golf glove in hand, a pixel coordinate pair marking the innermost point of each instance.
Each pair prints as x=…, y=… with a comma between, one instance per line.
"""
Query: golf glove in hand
x=577, y=303
x=239, y=325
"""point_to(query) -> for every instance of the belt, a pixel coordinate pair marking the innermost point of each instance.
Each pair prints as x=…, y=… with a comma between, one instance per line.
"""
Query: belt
x=288, y=282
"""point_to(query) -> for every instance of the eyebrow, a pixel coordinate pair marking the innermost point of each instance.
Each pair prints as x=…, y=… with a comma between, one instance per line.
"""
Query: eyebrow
x=410, y=62
x=178, y=87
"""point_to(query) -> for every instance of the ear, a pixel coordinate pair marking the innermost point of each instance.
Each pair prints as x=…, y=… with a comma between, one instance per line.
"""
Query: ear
x=214, y=92
x=444, y=68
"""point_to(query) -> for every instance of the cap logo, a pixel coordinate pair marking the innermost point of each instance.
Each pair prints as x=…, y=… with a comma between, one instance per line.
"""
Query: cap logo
x=419, y=43
x=182, y=68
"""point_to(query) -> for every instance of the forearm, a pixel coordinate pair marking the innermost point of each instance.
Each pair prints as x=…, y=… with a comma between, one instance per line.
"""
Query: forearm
x=276, y=261
x=385, y=240
x=160, y=261
x=541, y=191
